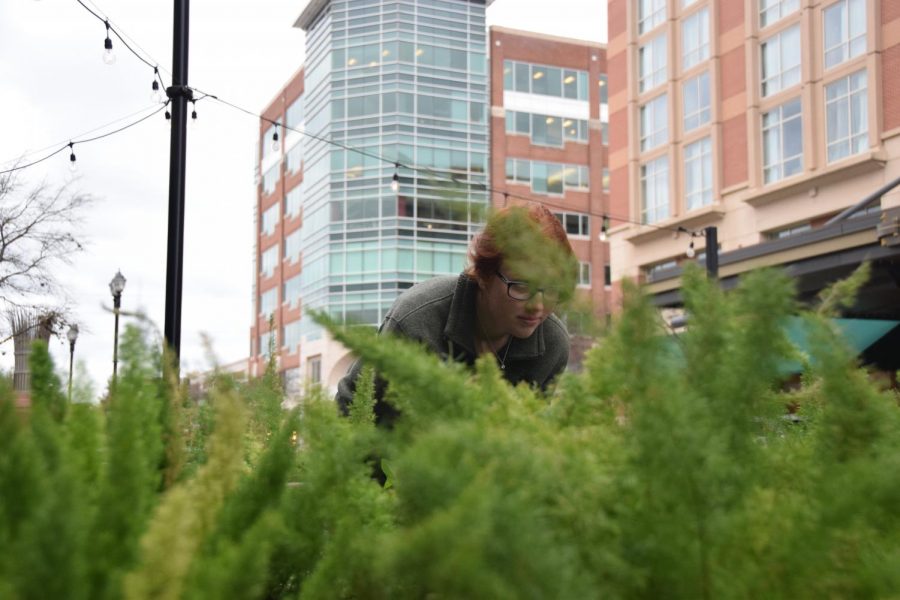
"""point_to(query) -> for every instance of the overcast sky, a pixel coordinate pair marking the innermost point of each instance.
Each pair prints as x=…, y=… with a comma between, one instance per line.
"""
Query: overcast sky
x=55, y=87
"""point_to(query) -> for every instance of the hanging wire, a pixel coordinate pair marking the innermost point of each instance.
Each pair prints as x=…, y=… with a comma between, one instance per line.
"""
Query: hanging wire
x=84, y=141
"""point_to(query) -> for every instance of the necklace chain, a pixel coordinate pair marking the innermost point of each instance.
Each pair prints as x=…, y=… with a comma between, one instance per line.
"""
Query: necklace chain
x=502, y=361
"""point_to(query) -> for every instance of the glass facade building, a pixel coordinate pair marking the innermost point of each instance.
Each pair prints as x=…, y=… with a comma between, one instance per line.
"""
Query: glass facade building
x=389, y=83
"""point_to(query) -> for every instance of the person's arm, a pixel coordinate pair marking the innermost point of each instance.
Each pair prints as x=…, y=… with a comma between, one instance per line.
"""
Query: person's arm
x=347, y=384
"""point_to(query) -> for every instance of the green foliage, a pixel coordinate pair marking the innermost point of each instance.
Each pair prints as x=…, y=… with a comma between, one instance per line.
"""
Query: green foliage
x=664, y=469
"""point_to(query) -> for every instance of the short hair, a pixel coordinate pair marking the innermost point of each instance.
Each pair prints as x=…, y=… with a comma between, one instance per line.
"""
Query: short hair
x=486, y=252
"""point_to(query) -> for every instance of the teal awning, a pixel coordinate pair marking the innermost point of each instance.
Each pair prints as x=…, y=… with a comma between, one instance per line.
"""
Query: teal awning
x=859, y=334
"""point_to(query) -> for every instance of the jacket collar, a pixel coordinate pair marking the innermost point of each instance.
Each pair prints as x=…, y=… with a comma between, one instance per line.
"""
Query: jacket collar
x=460, y=327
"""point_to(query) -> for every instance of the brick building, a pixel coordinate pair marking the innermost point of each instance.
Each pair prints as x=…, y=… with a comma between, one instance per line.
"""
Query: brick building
x=766, y=119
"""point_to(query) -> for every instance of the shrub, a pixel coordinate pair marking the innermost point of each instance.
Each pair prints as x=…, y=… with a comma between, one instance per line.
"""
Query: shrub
x=663, y=469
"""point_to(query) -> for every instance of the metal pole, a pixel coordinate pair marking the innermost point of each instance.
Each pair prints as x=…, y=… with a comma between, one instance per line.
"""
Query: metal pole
x=180, y=94
x=71, y=359
x=712, y=251
x=117, y=302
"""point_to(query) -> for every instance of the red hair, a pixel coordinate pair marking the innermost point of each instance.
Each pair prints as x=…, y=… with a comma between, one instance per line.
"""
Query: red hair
x=485, y=255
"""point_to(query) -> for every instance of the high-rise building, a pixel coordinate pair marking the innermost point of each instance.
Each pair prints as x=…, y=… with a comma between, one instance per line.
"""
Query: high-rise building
x=387, y=85
x=765, y=119
x=549, y=133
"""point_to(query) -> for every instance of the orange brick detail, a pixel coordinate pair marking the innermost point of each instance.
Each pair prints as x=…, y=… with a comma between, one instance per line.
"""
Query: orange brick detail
x=890, y=80
x=618, y=193
x=889, y=11
x=734, y=80
x=616, y=15
x=734, y=151
x=618, y=130
x=731, y=14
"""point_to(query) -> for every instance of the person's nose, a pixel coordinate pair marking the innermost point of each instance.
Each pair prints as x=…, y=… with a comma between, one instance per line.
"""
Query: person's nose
x=535, y=304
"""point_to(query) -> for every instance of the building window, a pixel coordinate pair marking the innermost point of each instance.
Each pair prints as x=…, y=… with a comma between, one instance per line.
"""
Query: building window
x=782, y=129
x=269, y=261
x=263, y=344
x=290, y=336
x=291, y=295
x=605, y=179
x=655, y=190
x=654, y=123
x=788, y=231
x=292, y=247
x=781, y=61
x=293, y=160
x=698, y=174
x=653, y=63
x=292, y=203
x=847, y=116
x=845, y=31
x=270, y=219
x=294, y=114
x=650, y=14
x=771, y=11
x=584, y=274
x=654, y=271
x=547, y=178
x=575, y=223
x=607, y=275
x=546, y=130
x=270, y=179
x=695, y=93
x=604, y=92
x=266, y=142
x=314, y=369
x=268, y=301
x=695, y=39
x=545, y=80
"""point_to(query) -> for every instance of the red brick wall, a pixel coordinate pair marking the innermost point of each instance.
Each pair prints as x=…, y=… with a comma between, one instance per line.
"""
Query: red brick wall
x=890, y=65
x=890, y=10
x=615, y=17
x=734, y=150
x=731, y=14
x=734, y=80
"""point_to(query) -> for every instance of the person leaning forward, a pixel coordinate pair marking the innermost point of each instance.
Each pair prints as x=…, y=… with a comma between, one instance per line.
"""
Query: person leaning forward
x=521, y=267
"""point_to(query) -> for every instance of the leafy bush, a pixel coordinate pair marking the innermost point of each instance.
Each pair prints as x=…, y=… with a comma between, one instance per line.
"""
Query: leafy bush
x=664, y=469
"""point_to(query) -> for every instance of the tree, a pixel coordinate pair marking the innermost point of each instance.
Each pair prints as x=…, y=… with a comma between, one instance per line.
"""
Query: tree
x=37, y=232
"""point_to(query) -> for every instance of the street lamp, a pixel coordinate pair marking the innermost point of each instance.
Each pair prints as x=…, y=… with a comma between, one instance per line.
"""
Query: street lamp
x=115, y=287
x=72, y=334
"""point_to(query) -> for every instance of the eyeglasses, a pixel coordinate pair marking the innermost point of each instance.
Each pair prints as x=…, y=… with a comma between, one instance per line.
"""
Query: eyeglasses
x=522, y=290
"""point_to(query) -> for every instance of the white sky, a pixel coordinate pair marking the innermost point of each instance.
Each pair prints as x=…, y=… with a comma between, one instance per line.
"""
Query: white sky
x=54, y=87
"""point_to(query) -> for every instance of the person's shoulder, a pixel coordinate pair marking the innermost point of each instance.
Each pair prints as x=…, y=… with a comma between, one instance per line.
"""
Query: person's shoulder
x=555, y=333
x=424, y=295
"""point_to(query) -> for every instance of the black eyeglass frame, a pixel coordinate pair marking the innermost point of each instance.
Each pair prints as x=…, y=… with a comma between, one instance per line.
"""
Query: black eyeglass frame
x=550, y=296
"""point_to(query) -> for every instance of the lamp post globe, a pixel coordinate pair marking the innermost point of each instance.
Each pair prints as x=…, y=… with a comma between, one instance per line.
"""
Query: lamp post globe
x=72, y=335
x=116, y=286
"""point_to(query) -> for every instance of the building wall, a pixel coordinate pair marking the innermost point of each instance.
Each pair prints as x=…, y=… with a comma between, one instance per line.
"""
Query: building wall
x=510, y=49
x=765, y=176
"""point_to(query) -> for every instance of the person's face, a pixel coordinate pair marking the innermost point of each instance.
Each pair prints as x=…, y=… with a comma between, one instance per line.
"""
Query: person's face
x=518, y=314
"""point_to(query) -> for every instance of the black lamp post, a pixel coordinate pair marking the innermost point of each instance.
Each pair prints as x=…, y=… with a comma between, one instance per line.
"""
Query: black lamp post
x=72, y=334
x=115, y=287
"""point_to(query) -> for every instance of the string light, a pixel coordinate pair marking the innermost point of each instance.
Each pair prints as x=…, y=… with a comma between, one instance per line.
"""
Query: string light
x=155, y=94
x=395, y=180
x=109, y=57
x=73, y=166
x=690, y=251
x=604, y=229
x=276, y=146
x=193, y=112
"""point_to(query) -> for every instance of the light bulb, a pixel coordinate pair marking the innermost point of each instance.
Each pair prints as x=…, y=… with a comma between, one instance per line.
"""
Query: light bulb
x=604, y=228
x=276, y=146
x=690, y=251
x=603, y=236
x=155, y=94
x=109, y=57
x=73, y=166
x=395, y=183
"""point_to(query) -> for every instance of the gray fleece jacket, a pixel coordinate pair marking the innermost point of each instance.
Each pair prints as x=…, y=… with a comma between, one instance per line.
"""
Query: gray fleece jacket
x=440, y=313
